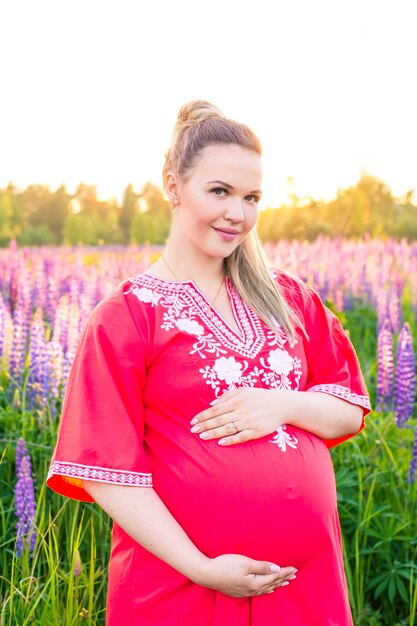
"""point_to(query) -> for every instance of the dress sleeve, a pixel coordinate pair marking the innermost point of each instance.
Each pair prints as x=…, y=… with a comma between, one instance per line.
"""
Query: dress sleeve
x=101, y=430
x=332, y=364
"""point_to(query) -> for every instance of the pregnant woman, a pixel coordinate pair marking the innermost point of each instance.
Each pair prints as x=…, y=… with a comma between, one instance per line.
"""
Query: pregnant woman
x=201, y=404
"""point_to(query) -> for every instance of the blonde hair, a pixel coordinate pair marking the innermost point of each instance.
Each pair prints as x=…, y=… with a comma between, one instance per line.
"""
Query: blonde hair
x=200, y=124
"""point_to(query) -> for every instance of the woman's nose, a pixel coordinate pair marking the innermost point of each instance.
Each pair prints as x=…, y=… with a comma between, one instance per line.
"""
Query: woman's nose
x=234, y=210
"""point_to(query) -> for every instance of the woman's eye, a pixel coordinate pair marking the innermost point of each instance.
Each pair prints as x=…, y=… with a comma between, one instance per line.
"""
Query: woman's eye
x=254, y=198
x=218, y=189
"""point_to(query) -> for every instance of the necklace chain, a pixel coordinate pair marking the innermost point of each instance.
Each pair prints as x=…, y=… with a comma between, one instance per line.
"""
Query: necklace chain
x=176, y=278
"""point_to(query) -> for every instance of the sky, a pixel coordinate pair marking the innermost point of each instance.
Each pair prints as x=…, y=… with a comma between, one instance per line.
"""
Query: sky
x=90, y=89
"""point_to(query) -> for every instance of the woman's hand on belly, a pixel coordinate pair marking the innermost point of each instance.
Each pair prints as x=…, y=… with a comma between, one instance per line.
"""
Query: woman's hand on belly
x=250, y=413
x=239, y=576
x=240, y=415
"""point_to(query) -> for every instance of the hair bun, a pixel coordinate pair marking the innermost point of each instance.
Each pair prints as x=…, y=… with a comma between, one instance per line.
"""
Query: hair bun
x=196, y=111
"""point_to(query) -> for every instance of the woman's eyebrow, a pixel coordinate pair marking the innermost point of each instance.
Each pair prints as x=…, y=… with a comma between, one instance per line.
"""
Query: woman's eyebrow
x=221, y=182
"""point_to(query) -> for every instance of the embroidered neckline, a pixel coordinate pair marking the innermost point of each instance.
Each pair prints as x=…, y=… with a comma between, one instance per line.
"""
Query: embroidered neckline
x=249, y=343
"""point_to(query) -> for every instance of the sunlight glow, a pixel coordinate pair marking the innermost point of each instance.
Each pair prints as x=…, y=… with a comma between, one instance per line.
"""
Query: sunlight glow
x=91, y=90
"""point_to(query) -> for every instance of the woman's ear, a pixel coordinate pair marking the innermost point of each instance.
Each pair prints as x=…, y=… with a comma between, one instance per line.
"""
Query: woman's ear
x=171, y=189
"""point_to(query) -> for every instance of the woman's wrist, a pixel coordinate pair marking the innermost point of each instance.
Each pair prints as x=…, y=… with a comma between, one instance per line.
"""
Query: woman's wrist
x=198, y=570
x=285, y=406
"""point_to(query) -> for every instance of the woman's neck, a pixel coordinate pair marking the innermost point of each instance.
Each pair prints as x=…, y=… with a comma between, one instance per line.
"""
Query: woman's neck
x=204, y=270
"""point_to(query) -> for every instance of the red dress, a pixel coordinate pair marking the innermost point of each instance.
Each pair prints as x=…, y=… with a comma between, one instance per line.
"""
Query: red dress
x=153, y=354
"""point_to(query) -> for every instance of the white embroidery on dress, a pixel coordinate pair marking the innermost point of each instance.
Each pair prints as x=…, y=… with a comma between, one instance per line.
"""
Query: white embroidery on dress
x=145, y=295
x=102, y=474
x=190, y=326
x=343, y=392
x=283, y=439
x=278, y=368
x=227, y=373
x=185, y=305
x=228, y=369
x=207, y=343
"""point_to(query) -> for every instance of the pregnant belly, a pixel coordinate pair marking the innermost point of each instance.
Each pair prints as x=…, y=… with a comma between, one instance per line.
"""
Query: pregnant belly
x=256, y=498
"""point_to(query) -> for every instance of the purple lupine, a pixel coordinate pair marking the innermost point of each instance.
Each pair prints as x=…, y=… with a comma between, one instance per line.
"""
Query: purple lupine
x=39, y=291
x=395, y=310
x=55, y=357
x=413, y=464
x=25, y=504
x=14, y=270
x=405, y=377
x=3, y=318
x=18, y=347
x=60, y=333
x=66, y=367
x=381, y=308
x=38, y=376
x=385, y=383
x=52, y=297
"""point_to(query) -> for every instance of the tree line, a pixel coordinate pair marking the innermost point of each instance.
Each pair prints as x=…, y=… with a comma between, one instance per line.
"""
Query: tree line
x=39, y=216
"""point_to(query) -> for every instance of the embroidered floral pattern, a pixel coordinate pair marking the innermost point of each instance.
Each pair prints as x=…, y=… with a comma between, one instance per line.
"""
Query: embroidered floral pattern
x=344, y=393
x=283, y=439
x=102, y=474
x=280, y=361
x=227, y=373
x=185, y=307
x=228, y=369
x=190, y=326
x=145, y=295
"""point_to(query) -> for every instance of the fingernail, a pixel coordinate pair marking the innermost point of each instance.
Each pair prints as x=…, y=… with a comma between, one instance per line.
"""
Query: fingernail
x=204, y=435
x=274, y=568
x=221, y=442
x=195, y=429
x=213, y=402
x=271, y=591
x=284, y=584
x=292, y=577
x=193, y=421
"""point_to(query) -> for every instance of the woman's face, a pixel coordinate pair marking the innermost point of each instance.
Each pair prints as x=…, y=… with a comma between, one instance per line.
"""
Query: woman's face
x=217, y=205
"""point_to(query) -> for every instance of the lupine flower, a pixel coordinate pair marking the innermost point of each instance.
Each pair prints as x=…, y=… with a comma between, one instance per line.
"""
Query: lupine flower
x=60, y=334
x=25, y=505
x=74, y=325
x=52, y=296
x=55, y=358
x=2, y=326
x=395, y=310
x=18, y=349
x=66, y=367
x=39, y=374
x=413, y=464
x=405, y=377
x=385, y=368
x=381, y=308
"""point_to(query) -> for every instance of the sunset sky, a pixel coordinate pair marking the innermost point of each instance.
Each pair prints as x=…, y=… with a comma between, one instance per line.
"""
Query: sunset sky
x=90, y=89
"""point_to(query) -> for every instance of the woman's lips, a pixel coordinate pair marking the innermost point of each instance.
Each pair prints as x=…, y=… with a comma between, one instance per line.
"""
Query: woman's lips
x=227, y=235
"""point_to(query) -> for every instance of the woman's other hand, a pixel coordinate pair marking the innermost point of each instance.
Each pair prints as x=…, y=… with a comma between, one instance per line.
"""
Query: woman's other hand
x=239, y=576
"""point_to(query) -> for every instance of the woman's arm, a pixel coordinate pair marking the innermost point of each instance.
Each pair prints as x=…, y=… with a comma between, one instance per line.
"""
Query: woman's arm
x=259, y=412
x=323, y=415
x=143, y=515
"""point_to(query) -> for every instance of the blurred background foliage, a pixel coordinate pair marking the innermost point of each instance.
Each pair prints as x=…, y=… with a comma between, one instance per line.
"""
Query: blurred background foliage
x=39, y=216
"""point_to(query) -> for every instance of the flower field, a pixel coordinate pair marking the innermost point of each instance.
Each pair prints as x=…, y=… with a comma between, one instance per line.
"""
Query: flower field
x=54, y=551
